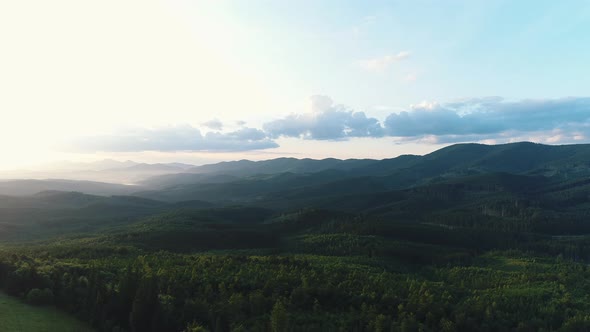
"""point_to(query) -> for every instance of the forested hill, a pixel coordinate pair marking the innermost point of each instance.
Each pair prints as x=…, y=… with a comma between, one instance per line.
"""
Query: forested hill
x=513, y=157
x=468, y=238
x=248, y=180
x=31, y=186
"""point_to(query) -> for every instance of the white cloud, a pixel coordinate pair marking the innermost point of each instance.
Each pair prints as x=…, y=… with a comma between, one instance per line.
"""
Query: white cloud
x=563, y=120
x=214, y=124
x=327, y=121
x=492, y=115
x=171, y=139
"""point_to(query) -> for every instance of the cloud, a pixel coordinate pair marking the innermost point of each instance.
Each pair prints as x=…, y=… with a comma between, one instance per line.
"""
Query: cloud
x=382, y=63
x=320, y=103
x=243, y=134
x=563, y=120
x=490, y=115
x=174, y=138
x=326, y=122
x=569, y=135
x=214, y=124
x=489, y=119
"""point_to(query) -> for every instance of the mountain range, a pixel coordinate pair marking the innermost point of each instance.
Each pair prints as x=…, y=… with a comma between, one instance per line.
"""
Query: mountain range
x=108, y=170
x=493, y=236
x=248, y=180
x=549, y=182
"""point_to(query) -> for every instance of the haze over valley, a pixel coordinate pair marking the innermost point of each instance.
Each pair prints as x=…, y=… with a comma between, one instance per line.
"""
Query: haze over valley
x=285, y=166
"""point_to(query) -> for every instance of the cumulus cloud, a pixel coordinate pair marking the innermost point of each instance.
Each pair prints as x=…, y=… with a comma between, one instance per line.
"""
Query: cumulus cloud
x=242, y=134
x=326, y=122
x=214, y=124
x=488, y=116
x=491, y=118
x=383, y=62
x=175, y=138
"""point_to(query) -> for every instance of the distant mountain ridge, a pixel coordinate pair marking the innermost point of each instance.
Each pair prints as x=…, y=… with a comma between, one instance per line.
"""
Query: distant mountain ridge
x=280, y=165
x=108, y=170
x=512, y=157
x=459, y=183
x=249, y=180
x=31, y=187
x=245, y=181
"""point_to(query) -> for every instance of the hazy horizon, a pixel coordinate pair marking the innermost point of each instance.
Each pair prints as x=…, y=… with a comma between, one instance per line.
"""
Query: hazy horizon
x=97, y=162
x=133, y=172
x=205, y=81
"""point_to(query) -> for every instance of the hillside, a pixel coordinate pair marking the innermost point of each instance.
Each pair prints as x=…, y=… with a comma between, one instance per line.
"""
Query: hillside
x=30, y=187
x=110, y=171
x=245, y=181
x=466, y=237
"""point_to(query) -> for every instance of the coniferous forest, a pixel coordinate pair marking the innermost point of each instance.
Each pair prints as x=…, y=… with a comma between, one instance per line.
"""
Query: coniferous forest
x=470, y=237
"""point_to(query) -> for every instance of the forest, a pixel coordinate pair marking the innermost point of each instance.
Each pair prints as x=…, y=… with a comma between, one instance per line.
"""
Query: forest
x=470, y=237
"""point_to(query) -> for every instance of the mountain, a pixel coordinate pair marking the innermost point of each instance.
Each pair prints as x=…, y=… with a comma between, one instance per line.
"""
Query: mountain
x=168, y=180
x=279, y=165
x=227, y=188
x=105, y=164
x=54, y=213
x=244, y=181
x=430, y=240
x=496, y=183
x=30, y=187
x=512, y=157
x=108, y=170
x=164, y=168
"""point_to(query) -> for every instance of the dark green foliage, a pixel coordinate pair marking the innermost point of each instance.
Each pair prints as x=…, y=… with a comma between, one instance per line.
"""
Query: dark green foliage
x=279, y=321
x=467, y=238
x=40, y=296
x=172, y=292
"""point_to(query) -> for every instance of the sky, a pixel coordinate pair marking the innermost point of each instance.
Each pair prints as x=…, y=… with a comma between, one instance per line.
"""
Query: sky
x=203, y=81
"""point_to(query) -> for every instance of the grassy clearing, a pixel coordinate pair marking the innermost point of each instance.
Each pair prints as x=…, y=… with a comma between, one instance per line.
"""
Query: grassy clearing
x=16, y=316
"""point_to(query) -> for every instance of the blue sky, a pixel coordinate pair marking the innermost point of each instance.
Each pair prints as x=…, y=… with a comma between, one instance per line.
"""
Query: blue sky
x=199, y=81
x=459, y=49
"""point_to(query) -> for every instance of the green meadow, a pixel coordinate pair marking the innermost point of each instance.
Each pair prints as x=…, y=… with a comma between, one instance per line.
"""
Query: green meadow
x=17, y=316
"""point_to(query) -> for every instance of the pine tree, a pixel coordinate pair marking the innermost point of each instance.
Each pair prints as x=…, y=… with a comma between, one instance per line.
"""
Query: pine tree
x=278, y=317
